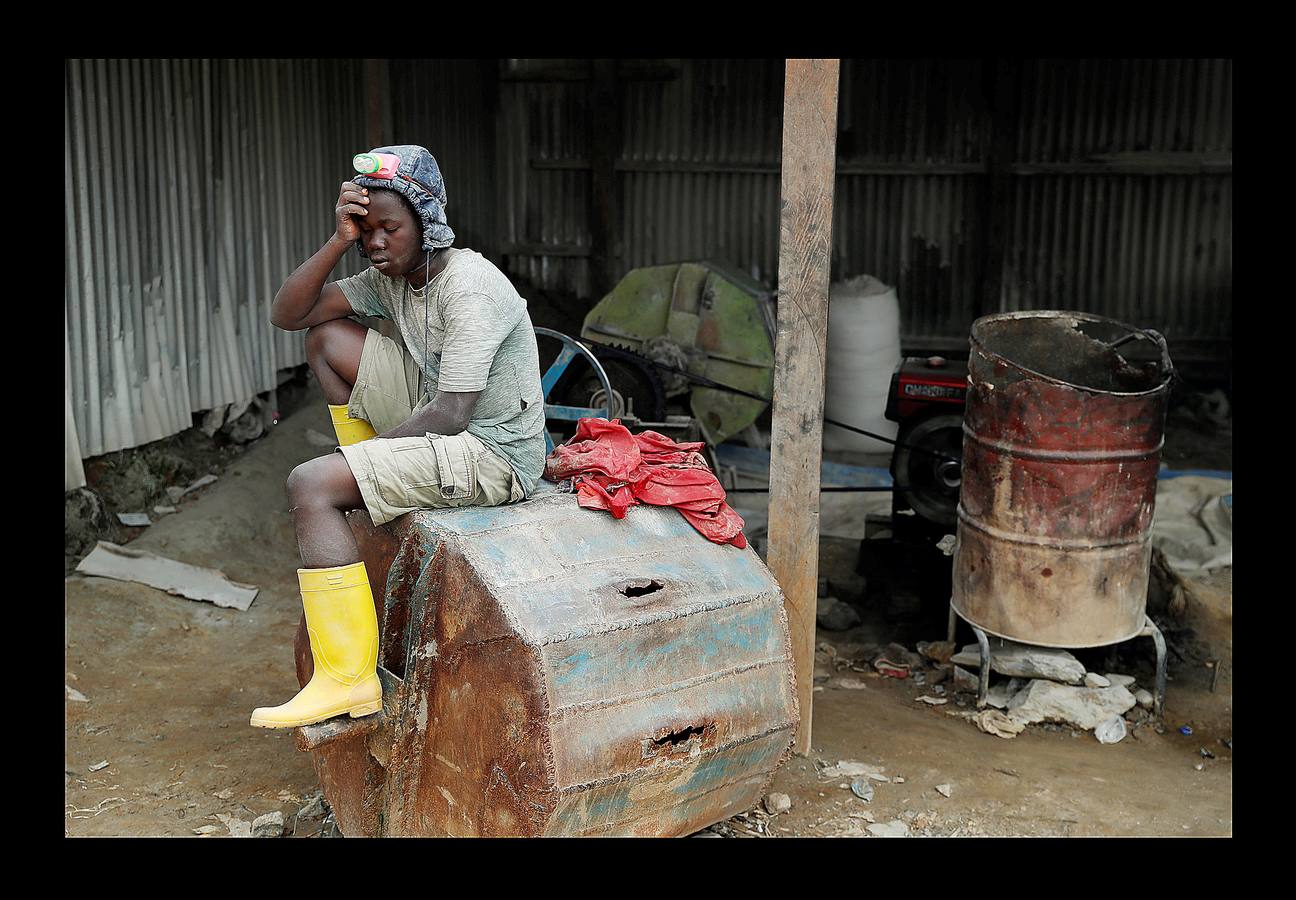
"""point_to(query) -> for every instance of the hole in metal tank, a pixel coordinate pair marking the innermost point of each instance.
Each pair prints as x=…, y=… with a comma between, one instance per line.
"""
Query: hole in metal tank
x=675, y=738
x=640, y=588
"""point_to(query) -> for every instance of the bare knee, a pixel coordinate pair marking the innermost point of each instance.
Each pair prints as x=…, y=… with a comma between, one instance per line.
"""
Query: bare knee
x=318, y=341
x=323, y=483
x=306, y=486
x=333, y=351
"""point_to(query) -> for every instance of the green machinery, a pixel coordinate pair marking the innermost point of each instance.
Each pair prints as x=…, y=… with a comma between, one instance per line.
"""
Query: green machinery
x=664, y=331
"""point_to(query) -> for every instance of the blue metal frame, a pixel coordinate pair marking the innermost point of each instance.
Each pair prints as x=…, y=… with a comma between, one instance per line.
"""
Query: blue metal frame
x=571, y=348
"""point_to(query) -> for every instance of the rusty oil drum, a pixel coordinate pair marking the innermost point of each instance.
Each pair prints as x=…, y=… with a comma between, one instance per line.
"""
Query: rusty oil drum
x=1063, y=430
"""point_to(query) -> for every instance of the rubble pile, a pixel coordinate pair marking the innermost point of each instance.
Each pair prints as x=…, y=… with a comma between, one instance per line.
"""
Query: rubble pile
x=1028, y=685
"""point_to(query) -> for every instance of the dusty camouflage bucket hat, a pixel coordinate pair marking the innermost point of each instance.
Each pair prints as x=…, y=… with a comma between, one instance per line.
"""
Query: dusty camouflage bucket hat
x=418, y=179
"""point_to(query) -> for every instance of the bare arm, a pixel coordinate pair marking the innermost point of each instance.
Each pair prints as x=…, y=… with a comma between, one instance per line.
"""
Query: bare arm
x=305, y=300
x=448, y=413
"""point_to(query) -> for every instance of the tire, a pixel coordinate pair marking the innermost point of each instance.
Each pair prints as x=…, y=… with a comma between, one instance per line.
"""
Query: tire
x=932, y=486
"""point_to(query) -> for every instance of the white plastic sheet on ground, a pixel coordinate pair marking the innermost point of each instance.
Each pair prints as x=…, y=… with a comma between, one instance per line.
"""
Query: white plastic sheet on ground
x=108, y=560
x=1193, y=526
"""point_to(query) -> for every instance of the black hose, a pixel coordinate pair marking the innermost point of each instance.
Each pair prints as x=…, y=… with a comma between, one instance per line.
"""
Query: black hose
x=715, y=385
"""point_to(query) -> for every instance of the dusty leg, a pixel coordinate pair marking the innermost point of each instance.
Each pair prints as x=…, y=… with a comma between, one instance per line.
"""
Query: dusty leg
x=320, y=491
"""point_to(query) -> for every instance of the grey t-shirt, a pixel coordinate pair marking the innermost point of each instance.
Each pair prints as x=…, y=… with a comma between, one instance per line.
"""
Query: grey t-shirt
x=478, y=338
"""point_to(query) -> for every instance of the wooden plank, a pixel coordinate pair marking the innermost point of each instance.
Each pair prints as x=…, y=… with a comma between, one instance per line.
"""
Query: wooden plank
x=805, y=252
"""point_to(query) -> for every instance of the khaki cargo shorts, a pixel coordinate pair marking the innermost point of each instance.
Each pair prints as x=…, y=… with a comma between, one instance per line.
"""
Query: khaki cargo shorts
x=399, y=475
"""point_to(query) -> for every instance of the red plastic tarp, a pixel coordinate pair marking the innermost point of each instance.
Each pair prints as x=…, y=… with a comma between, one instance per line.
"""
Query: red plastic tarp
x=613, y=470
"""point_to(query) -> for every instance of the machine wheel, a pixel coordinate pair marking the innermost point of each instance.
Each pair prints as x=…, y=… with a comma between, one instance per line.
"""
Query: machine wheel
x=571, y=349
x=932, y=483
x=636, y=385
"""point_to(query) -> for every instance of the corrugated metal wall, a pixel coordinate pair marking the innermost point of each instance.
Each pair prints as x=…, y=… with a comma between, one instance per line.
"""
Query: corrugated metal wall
x=194, y=187
x=1124, y=195
x=1117, y=182
x=449, y=107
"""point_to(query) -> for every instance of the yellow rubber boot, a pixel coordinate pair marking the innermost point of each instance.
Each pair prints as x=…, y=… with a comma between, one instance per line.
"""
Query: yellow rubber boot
x=349, y=431
x=343, y=628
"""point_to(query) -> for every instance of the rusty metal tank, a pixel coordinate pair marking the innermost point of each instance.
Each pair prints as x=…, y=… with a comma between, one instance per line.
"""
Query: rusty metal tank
x=550, y=670
x=1062, y=442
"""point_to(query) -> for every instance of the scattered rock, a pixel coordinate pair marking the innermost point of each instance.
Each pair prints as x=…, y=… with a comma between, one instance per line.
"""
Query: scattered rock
x=74, y=694
x=992, y=721
x=1085, y=708
x=937, y=651
x=947, y=544
x=862, y=814
x=1124, y=681
x=175, y=493
x=245, y=421
x=847, y=682
x=1112, y=731
x=852, y=769
x=898, y=780
x=226, y=794
x=965, y=680
x=777, y=803
x=237, y=827
x=932, y=701
x=271, y=825
x=314, y=808
x=944, y=789
x=999, y=695
x=166, y=511
x=1023, y=661
x=1144, y=698
x=1094, y=680
x=835, y=615
x=207, y=829
x=894, y=828
x=213, y=420
x=102, y=764
x=862, y=788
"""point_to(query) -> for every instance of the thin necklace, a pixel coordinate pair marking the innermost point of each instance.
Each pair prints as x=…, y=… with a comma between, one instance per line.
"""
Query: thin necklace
x=421, y=293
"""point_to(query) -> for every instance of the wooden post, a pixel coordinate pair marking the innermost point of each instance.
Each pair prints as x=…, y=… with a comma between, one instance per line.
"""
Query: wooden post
x=796, y=441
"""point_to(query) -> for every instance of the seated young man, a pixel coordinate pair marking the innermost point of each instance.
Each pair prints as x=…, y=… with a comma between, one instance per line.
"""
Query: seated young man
x=457, y=419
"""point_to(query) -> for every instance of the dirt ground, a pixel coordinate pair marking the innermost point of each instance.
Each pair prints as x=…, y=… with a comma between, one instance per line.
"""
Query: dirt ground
x=170, y=684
